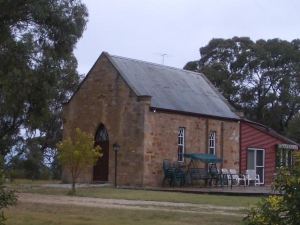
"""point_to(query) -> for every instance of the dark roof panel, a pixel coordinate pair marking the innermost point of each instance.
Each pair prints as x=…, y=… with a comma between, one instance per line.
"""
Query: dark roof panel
x=172, y=88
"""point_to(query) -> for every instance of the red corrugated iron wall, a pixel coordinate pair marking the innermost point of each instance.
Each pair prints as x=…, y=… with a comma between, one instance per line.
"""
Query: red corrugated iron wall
x=254, y=138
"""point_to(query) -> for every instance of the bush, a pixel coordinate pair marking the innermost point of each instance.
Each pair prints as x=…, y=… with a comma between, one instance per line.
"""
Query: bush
x=7, y=197
x=77, y=154
x=284, y=209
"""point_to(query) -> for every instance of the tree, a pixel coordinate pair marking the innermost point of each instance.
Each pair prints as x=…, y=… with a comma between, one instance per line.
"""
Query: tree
x=261, y=78
x=7, y=198
x=280, y=210
x=37, y=68
x=77, y=154
x=31, y=164
x=293, y=130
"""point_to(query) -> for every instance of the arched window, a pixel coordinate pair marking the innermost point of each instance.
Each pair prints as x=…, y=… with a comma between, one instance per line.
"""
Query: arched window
x=101, y=135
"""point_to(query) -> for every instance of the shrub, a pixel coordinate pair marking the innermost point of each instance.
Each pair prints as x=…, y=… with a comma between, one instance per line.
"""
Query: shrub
x=284, y=209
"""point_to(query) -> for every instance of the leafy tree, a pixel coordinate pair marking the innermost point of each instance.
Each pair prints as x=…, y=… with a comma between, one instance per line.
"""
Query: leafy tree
x=37, y=68
x=261, y=78
x=7, y=197
x=56, y=168
x=77, y=154
x=293, y=130
x=280, y=210
x=30, y=165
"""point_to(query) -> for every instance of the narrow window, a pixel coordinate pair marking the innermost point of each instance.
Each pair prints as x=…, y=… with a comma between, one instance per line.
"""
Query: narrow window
x=181, y=144
x=284, y=158
x=212, y=143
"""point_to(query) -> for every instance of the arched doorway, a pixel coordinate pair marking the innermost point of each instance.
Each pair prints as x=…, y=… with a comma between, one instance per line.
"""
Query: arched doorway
x=100, y=172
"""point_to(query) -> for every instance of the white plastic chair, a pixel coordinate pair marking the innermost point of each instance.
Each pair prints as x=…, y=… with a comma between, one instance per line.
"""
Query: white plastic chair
x=226, y=174
x=252, y=176
x=237, y=178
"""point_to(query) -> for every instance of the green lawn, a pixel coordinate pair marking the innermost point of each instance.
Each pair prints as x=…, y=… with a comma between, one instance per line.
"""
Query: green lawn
x=44, y=214
x=26, y=183
x=105, y=192
x=112, y=193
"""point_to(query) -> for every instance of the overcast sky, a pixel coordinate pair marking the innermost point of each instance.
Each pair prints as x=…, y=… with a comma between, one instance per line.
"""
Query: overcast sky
x=146, y=29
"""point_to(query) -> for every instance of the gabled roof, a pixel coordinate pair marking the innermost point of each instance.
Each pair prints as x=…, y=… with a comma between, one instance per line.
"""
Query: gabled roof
x=270, y=132
x=173, y=89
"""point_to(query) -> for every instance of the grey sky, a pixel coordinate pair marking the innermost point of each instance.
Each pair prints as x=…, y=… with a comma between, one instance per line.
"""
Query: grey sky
x=145, y=29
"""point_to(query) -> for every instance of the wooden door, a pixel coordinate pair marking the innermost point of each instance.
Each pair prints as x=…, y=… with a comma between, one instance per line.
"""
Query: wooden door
x=100, y=172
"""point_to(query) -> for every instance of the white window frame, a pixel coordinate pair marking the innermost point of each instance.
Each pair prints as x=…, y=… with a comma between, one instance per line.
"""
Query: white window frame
x=181, y=144
x=255, y=164
x=212, y=142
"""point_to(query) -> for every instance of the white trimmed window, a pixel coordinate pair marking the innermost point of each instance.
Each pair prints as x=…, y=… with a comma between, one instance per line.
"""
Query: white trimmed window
x=284, y=158
x=181, y=144
x=212, y=143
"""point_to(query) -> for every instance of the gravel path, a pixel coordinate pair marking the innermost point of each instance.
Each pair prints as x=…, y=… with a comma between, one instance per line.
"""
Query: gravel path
x=130, y=204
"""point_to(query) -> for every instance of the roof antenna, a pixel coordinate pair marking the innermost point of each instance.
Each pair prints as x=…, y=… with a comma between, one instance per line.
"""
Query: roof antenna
x=163, y=55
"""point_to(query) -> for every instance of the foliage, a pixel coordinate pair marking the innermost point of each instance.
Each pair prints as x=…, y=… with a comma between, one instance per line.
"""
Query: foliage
x=7, y=197
x=293, y=130
x=280, y=210
x=30, y=167
x=78, y=154
x=37, y=69
x=261, y=78
x=55, y=168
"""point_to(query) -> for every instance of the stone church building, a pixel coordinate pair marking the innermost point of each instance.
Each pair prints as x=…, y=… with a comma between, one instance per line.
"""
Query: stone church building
x=154, y=112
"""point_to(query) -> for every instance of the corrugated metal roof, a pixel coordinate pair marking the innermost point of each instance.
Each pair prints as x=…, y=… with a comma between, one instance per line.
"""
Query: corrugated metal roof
x=173, y=89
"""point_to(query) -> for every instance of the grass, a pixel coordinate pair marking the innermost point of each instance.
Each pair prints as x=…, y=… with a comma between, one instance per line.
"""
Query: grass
x=43, y=214
x=27, y=182
x=104, y=192
x=112, y=193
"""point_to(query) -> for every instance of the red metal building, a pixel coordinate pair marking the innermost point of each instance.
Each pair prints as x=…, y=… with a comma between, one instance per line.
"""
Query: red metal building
x=263, y=149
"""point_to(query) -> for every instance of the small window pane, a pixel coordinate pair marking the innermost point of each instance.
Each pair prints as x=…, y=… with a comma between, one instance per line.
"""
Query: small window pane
x=283, y=158
x=289, y=158
x=260, y=172
x=259, y=158
x=251, y=160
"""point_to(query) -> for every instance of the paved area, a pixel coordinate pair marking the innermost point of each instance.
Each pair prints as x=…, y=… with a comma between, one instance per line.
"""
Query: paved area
x=130, y=204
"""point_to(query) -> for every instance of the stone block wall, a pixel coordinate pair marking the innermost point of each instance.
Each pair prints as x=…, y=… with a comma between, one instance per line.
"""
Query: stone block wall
x=105, y=98
x=161, y=130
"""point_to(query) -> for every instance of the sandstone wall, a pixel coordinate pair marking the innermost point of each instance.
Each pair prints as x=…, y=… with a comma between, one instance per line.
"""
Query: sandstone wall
x=161, y=130
x=105, y=98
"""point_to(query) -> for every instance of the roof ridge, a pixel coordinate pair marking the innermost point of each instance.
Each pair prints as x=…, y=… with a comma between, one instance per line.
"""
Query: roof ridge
x=157, y=64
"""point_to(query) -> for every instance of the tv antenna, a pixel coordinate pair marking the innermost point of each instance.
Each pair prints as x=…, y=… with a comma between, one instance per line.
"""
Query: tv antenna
x=163, y=55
